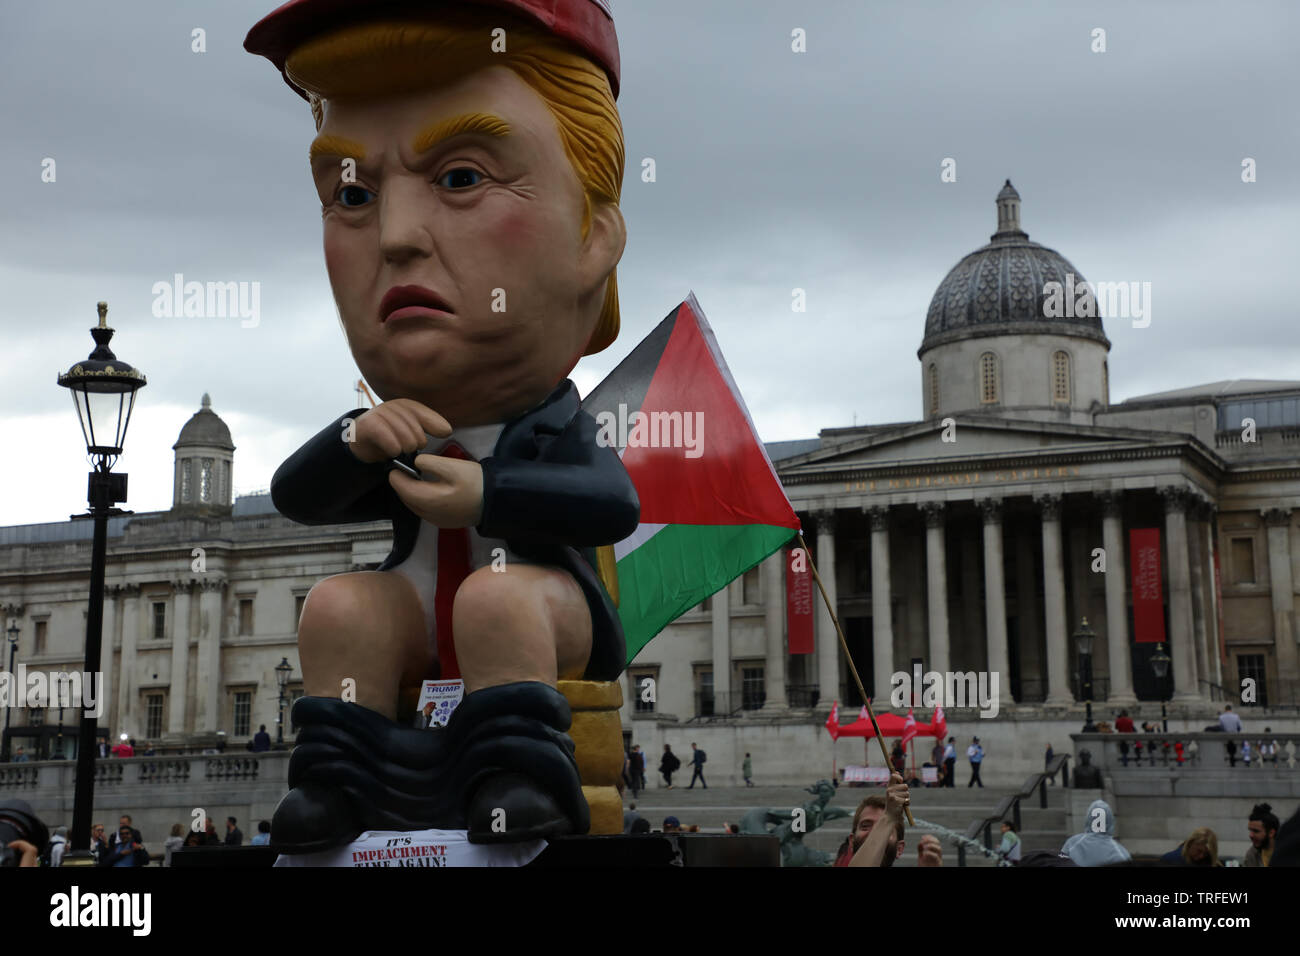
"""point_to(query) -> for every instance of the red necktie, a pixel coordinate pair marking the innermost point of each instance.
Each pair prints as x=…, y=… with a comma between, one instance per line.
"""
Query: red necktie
x=453, y=568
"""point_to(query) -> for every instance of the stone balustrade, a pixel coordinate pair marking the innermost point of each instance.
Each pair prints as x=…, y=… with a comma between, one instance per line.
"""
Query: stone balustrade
x=157, y=792
x=1200, y=752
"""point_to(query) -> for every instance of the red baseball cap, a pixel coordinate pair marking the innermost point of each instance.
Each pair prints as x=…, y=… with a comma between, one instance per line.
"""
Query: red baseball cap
x=587, y=24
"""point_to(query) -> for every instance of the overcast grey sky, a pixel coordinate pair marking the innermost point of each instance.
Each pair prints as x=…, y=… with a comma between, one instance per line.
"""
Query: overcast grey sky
x=775, y=170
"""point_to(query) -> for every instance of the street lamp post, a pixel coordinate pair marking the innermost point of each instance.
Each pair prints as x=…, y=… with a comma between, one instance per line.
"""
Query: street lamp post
x=1160, y=666
x=13, y=633
x=103, y=392
x=282, y=672
x=1083, y=644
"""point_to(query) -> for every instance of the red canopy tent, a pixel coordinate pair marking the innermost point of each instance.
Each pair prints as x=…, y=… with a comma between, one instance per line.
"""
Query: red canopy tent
x=891, y=725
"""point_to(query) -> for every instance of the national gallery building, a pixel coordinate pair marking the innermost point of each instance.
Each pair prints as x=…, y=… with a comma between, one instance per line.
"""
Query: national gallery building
x=980, y=537
x=975, y=539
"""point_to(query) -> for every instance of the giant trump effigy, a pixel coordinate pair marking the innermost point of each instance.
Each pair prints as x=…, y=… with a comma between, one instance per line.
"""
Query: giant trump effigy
x=468, y=160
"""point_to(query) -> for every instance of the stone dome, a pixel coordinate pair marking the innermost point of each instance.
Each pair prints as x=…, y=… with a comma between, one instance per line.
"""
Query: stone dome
x=205, y=428
x=998, y=288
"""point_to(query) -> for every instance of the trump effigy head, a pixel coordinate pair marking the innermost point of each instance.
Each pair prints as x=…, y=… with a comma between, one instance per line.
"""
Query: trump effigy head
x=469, y=160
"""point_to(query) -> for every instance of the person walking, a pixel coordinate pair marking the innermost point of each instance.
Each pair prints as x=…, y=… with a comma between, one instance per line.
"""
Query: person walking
x=635, y=772
x=668, y=765
x=641, y=764
x=697, y=763
x=975, y=754
x=950, y=762
x=747, y=771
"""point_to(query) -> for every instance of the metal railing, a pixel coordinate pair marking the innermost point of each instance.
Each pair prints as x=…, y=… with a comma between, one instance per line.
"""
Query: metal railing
x=802, y=695
x=1010, y=804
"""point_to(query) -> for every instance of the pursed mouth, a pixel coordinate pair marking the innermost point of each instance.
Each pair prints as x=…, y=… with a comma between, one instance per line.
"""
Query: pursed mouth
x=411, y=300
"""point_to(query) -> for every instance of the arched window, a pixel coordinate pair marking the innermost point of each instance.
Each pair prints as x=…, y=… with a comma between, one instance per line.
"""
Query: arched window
x=187, y=492
x=988, y=378
x=1105, y=383
x=934, y=389
x=1061, y=377
x=205, y=480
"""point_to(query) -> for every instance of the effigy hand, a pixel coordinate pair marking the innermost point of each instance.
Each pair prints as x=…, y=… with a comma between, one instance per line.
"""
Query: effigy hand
x=395, y=427
x=453, y=500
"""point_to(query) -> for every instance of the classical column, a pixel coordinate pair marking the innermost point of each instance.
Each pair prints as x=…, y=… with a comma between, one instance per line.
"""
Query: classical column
x=108, y=718
x=995, y=598
x=207, y=685
x=828, y=643
x=1029, y=618
x=8, y=611
x=1215, y=648
x=882, y=623
x=1180, y=595
x=1057, y=631
x=1118, y=651
x=936, y=578
x=720, y=609
x=126, y=680
x=179, y=691
x=1281, y=583
x=773, y=584
x=1195, y=515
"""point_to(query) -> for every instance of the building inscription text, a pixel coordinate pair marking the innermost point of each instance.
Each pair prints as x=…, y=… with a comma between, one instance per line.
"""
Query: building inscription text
x=962, y=478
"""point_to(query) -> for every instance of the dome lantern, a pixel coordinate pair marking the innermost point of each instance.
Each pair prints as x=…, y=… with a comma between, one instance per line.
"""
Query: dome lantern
x=1009, y=214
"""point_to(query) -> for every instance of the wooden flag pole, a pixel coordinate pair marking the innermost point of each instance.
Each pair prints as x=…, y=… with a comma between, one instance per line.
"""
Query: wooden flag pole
x=844, y=645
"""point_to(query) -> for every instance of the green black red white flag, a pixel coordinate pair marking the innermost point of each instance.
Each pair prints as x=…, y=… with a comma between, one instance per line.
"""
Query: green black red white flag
x=712, y=506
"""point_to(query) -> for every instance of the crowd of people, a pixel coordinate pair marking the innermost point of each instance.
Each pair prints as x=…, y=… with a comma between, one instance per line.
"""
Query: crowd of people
x=634, y=768
x=125, y=846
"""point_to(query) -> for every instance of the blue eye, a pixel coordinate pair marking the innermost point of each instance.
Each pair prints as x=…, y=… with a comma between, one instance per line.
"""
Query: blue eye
x=353, y=196
x=461, y=178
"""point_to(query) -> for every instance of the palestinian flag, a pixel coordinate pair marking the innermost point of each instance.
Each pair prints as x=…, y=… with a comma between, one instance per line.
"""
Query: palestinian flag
x=712, y=506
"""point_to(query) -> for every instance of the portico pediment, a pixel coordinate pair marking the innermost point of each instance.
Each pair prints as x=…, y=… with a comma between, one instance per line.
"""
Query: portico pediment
x=965, y=438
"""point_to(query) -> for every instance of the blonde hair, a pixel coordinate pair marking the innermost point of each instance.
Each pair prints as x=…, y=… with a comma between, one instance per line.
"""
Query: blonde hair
x=401, y=56
x=1206, y=838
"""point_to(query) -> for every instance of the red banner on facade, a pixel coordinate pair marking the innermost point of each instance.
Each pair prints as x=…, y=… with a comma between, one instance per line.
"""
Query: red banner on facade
x=1148, y=596
x=798, y=602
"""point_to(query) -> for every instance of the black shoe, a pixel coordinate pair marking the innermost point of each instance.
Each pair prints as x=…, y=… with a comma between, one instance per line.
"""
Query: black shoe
x=311, y=818
x=511, y=808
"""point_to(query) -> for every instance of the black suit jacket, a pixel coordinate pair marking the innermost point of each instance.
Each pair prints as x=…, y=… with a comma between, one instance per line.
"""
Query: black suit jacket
x=549, y=489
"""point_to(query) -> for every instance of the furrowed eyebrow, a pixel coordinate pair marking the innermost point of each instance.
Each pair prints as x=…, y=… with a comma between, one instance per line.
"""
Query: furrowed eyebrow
x=488, y=124
x=337, y=147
